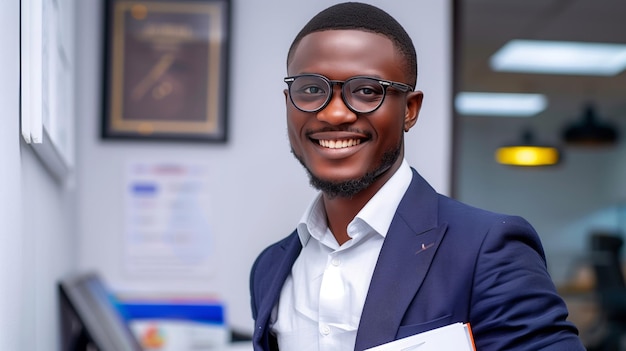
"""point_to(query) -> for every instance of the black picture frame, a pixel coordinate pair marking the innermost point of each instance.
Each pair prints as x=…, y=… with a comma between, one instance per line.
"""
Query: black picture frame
x=166, y=70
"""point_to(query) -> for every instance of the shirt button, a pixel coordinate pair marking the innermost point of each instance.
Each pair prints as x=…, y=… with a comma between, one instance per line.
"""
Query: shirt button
x=325, y=330
x=335, y=262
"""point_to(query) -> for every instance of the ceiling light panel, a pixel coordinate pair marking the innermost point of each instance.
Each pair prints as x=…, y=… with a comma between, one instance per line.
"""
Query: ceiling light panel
x=500, y=104
x=560, y=57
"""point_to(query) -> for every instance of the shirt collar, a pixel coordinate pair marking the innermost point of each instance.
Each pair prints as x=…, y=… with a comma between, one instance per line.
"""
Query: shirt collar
x=313, y=221
x=377, y=213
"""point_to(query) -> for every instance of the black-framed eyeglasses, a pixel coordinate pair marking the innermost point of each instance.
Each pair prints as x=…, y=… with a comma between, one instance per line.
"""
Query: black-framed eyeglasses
x=312, y=92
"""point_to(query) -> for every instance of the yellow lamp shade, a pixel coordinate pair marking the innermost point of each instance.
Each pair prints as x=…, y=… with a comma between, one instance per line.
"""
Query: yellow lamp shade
x=528, y=155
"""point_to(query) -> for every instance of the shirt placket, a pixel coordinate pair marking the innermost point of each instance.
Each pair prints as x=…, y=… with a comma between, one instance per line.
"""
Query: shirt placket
x=332, y=302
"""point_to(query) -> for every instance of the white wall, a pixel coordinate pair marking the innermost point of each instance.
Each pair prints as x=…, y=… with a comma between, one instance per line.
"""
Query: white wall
x=259, y=190
x=11, y=241
x=49, y=251
x=36, y=217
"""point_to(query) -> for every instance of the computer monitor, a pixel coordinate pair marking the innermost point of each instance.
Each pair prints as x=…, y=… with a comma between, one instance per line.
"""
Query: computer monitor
x=90, y=321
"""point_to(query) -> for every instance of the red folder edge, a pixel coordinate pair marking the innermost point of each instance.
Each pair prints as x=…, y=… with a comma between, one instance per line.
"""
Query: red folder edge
x=471, y=336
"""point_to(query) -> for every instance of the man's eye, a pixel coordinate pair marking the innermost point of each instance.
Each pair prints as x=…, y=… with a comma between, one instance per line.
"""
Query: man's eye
x=312, y=90
x=367, y=90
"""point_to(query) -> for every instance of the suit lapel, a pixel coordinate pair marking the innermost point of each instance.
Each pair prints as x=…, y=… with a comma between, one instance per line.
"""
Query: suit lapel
x=290, y=250
x=410, y=245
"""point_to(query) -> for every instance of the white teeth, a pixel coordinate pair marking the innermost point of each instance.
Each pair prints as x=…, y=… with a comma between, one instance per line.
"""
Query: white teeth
x=339, y=144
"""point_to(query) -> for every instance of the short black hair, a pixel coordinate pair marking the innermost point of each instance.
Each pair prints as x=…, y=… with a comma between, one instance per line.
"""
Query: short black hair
x=365, y=17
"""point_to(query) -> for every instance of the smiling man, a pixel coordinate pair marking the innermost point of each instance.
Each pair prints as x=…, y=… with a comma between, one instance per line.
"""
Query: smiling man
x=379, y=255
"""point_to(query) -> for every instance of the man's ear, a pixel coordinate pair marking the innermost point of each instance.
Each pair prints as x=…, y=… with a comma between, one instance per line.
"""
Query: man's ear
x=286, y=92
x=413, y=106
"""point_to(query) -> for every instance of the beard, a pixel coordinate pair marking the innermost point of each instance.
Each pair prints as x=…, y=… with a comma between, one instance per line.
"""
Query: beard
x=351, y=187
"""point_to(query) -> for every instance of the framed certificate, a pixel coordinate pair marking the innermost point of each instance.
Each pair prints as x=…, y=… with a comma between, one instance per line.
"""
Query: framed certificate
x=166, y=74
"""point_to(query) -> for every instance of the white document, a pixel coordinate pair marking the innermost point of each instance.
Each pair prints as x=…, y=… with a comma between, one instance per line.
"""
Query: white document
x=453, y=337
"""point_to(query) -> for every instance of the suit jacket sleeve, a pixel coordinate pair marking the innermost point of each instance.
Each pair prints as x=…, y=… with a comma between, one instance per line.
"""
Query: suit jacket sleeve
x=514, y=302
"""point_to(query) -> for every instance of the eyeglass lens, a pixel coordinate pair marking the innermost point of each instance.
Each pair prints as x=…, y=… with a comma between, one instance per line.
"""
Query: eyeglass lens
x=311, y=93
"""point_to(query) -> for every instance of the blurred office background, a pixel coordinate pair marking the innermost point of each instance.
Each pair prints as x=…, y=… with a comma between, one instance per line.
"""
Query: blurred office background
x=73, y=217
x=584, y=193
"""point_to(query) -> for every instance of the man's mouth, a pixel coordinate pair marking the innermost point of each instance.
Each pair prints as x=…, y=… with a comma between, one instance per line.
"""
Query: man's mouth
x=339, y=144
x=338, y=139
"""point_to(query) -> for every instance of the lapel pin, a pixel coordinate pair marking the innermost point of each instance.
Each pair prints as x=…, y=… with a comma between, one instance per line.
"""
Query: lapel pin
x=424, y=247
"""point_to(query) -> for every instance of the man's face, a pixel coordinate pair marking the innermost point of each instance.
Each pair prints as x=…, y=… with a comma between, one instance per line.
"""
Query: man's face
x=338, y=147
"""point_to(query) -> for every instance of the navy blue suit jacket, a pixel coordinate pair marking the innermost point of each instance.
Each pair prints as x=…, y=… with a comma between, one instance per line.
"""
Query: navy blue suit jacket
x=442, y=262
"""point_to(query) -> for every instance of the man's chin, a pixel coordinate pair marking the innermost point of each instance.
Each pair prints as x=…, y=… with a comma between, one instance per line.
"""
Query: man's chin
x=343, y=188
x=350, y=187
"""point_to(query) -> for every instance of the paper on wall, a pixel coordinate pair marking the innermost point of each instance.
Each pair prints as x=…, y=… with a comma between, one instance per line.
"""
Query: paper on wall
x=167, y=220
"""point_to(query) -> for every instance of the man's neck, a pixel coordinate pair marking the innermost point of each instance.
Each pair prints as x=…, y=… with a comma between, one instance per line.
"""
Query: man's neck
x=340, y=211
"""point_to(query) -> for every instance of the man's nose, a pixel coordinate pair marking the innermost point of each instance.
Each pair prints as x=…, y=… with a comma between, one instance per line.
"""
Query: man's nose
x=336, y=112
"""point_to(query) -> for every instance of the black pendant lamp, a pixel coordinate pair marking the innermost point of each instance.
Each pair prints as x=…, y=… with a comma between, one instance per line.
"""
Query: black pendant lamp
x=590, y=131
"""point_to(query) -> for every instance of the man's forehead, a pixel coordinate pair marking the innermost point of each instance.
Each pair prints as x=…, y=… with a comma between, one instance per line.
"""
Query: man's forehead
x=343, y=39
x=340, y=54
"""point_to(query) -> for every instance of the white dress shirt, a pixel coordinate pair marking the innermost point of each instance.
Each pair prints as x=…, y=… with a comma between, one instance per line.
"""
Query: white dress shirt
x=321, y=301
